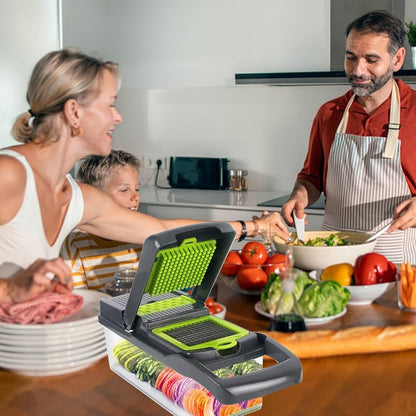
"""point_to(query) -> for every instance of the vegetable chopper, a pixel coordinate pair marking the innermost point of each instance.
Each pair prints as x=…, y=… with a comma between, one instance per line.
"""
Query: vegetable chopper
x=165, y=315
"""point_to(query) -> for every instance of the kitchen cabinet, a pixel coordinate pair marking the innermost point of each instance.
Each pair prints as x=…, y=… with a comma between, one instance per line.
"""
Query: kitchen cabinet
x=213, y=205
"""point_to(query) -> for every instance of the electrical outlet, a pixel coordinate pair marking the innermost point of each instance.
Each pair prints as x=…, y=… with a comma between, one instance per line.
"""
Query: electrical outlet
x=163, y=160
x=150, y=161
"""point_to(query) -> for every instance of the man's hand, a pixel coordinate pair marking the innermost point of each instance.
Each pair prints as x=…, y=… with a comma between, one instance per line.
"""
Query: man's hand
x=404, y=215
x=303, y=195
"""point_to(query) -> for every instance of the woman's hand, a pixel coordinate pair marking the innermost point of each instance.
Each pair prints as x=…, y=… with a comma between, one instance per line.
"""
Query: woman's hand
x=41, y=276
x=271, y=224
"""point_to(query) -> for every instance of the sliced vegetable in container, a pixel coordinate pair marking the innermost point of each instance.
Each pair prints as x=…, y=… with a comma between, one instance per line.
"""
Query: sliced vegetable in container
x=246, y=367
x=183, y=391
x=229, y=409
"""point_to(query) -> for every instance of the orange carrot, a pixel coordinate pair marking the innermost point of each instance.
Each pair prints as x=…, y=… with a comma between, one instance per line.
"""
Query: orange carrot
x=408, y=285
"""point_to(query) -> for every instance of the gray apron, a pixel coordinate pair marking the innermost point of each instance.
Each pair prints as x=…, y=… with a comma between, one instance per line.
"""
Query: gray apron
x=365, y=182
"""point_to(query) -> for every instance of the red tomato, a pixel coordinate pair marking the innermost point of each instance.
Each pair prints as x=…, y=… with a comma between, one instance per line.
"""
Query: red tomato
x=372, y=268
x=254, y=252
x=275, y=261
x=217, y=308
x=209, y=302
x=214, y=308
x=251, y=278
x=231, y=264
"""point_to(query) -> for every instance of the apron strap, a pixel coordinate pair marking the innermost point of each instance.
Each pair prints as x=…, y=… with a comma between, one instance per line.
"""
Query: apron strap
x=342, y=126
x=394, y=122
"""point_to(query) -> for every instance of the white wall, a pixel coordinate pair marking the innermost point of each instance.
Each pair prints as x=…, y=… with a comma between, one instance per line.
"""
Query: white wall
x=200, y=43
x=410, y=11
x=28, y=30
x=178, y=60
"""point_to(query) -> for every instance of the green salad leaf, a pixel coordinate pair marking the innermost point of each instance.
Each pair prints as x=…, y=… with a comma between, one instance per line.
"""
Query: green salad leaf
x=314, y=299
x=322, y=299
x=331, y=240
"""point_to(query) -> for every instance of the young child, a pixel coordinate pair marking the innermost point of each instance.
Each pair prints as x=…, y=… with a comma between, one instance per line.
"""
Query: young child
x=92, y=259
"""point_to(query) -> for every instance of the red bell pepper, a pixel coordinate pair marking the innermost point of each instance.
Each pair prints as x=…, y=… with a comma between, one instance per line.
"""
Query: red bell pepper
x=372, y=268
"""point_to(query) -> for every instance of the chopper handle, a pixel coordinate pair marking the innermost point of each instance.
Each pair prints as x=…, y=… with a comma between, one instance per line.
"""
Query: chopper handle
x=281, y=375
x=286, y=372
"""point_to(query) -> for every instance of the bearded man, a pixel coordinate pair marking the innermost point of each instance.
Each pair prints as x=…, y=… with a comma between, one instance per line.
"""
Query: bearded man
x=362, y=145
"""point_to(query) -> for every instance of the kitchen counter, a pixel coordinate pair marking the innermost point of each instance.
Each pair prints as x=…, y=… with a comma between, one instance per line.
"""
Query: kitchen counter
x=217, y=199
x=214, y=205
x=365, y=384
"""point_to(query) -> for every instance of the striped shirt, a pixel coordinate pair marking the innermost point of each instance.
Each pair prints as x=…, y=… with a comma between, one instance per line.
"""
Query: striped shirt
x=94, y=260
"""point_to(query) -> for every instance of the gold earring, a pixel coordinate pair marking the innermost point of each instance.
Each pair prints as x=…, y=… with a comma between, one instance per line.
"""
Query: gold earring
x=75, y=131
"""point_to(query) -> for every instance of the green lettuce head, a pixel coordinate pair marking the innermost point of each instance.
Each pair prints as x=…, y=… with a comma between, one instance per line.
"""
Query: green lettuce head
x=323, y=299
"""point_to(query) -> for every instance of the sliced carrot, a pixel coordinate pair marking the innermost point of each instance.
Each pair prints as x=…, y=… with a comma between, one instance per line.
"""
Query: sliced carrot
x=403, y=294
x=412, y=296
x=408, y=285
x=255, y=402
x=228, y=409
x=410, y=273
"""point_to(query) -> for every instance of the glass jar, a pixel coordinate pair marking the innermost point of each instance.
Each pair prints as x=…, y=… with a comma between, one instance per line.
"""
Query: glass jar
x=238, y=180
x=125, y=278
x=405, y=287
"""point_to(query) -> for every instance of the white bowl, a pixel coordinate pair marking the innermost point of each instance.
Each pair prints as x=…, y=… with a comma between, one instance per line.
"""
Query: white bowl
x=366, y=294
x=318, y=258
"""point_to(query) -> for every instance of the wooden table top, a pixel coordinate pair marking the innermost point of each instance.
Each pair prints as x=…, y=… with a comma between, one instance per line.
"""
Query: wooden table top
x=369, y=384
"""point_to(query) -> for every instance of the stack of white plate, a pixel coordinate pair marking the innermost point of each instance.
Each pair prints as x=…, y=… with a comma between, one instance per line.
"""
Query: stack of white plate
x=50, y=349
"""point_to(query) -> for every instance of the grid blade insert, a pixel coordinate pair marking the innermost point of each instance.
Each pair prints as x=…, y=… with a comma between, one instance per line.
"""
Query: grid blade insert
x=180, y=267
x=204, y=332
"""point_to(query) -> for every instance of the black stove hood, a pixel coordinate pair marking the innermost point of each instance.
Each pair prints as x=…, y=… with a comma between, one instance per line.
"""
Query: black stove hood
x=310, y=78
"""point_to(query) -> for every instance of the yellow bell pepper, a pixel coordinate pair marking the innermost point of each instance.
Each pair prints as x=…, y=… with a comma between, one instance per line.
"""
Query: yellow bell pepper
x=341, y=273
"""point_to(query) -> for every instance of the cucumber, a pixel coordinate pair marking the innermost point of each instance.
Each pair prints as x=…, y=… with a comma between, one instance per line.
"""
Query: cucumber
x=131, y=362
x=126, y=354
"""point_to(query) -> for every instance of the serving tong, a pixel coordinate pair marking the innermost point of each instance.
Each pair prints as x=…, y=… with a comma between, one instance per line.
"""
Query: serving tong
x=378, y=233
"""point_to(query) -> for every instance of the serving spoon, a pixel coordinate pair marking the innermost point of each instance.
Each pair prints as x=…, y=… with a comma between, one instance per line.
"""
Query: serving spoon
x=378, y=233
